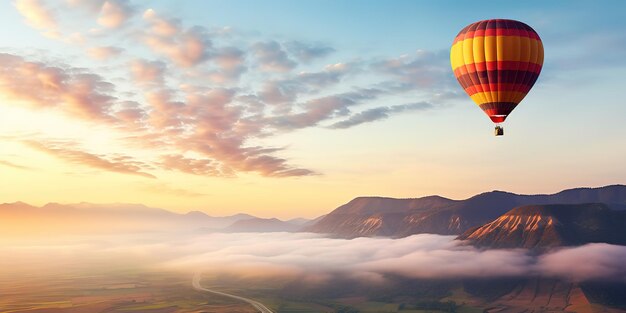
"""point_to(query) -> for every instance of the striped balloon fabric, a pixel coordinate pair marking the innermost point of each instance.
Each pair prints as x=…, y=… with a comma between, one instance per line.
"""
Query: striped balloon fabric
x=497, y=62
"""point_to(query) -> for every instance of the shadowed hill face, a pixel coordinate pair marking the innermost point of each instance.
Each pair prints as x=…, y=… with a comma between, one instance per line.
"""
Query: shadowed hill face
x=544, y=226
x=376, y=216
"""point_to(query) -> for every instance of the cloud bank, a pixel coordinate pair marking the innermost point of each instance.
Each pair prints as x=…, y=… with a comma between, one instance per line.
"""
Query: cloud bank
x=311, y=256
x=420, y=256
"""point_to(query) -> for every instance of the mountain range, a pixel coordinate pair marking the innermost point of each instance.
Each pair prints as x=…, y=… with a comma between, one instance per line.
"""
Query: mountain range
x=379, y=216
x=22, y=219
x=495, y=219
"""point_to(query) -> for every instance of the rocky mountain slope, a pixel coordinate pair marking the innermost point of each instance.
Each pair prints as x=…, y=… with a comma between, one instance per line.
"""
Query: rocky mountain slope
x=544, y=226
x=378, y=216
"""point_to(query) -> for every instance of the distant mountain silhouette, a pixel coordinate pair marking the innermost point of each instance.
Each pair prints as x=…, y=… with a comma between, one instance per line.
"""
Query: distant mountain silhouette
x=262, y=225
x=544, y=226
x=23, y=219
x=378, y=216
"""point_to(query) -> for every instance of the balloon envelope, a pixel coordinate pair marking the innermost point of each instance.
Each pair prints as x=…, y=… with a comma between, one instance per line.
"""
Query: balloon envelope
x=497, y=62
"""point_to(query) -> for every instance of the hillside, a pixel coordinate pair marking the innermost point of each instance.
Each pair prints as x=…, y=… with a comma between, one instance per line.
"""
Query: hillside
x=544, y=226
x=377, y=216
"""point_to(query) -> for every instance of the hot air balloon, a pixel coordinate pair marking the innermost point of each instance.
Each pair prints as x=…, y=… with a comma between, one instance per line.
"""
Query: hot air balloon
x=497, y=62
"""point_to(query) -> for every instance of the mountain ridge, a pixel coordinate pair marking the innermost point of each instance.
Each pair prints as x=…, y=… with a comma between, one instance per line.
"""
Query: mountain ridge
x=382, y=216
x=547, y=226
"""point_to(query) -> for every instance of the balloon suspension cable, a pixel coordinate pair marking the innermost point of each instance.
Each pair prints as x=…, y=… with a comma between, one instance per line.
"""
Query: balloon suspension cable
x=499, y=131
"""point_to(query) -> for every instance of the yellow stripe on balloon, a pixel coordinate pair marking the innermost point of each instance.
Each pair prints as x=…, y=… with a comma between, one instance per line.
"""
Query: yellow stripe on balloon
x=512, y=48
x=514, y=96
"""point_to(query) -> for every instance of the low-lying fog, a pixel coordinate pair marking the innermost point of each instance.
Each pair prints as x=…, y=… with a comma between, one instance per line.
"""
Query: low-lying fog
x=309, y=256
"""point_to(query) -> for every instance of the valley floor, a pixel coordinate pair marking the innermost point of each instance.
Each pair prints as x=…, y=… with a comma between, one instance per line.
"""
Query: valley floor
x=169, y=292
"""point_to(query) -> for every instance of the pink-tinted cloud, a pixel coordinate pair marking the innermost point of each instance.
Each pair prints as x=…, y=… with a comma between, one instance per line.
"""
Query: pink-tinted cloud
x=75, y=91
x=166, y=113
x=184, y=47
x=161, y=26
x=104, y=53
x=203, y=167
x=114, y=13
x=146, y=72
x=117, y=164
x=231, y=65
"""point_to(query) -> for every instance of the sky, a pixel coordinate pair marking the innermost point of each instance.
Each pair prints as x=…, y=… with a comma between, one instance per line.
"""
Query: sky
x=291, y=108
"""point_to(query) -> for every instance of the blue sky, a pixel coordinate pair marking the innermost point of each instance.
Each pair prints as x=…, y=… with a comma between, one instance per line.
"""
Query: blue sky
x=191, y=103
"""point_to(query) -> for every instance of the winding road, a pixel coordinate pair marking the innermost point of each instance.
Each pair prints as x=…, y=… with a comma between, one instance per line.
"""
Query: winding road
x=257, y=305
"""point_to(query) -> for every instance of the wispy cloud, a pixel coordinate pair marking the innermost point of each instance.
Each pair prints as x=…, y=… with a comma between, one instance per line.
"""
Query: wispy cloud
x=203, y=167
x=272, y=57
x=380, y=113
x=118, y=164
x=14, y=165
x=307, y=51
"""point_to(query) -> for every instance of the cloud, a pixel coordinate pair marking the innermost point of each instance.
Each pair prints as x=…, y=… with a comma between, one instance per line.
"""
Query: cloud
x=272, y=58
x=161, y=26
x=313, y=258
x=37, y=14
x=306, y=51
x=103, y=53
x=331, y=74
x=589, y=262
x=146, y=72
x=185, y=48
x=210, y=93
x=320, y=109
x=203, y=167
x=419, y=256
x=283, y=93
x=118, y=164
x=231, y=62
x=425, y=70
x=422, y=256
x=114, y=13
x=75, y=91
x=13, y=165
x=380, y=113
